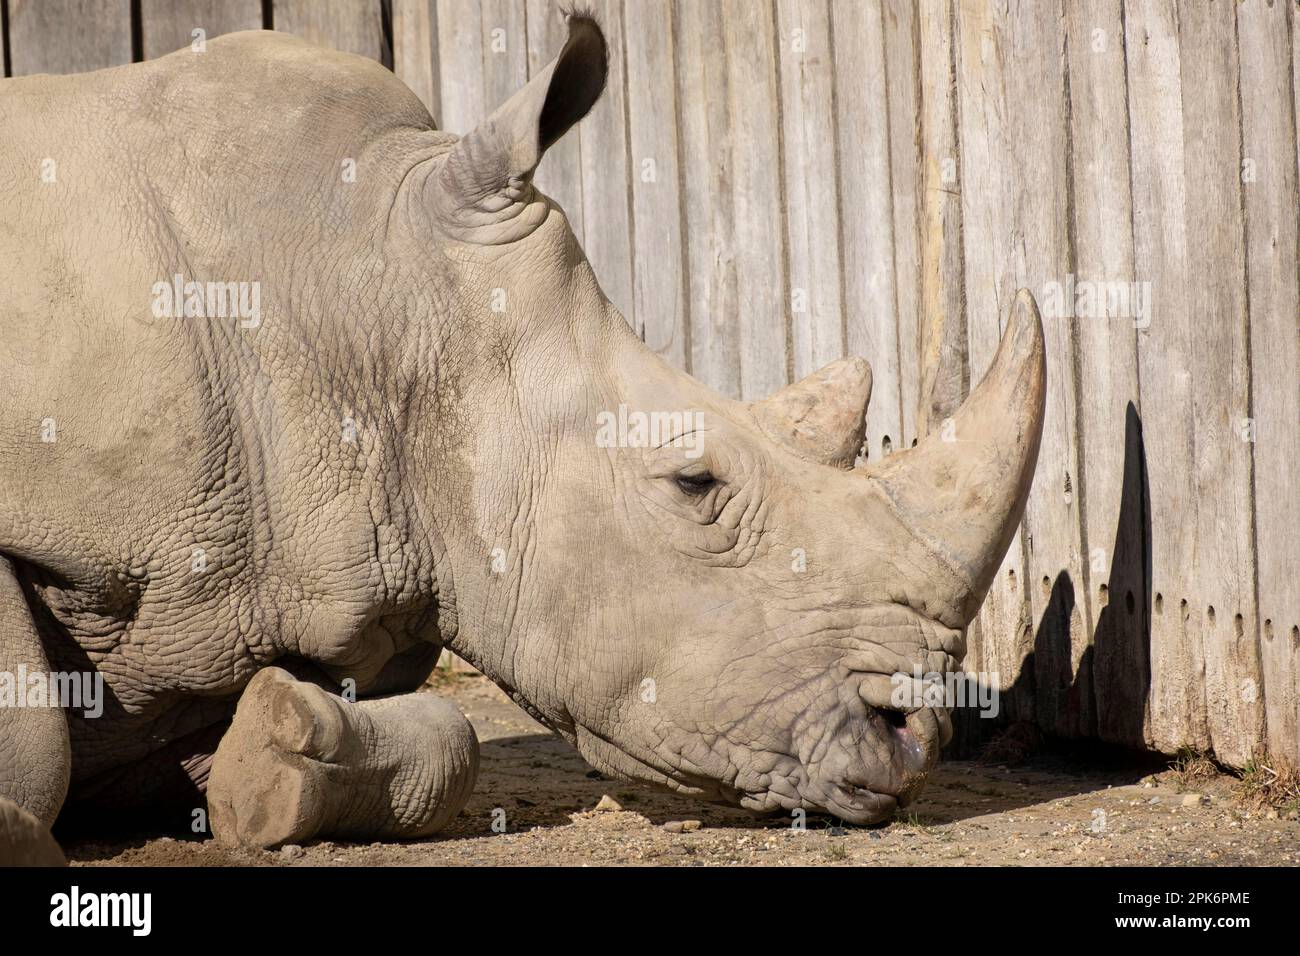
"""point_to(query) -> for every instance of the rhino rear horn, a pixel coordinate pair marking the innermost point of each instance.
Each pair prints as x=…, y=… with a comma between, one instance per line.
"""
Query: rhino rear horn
x=485, y=185
x=821, y=417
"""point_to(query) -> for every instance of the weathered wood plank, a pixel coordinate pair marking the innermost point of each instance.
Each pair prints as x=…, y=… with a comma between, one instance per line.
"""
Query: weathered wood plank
x=987, y=206
x=659, y=280
x=415, y=49
x=1040, y=254
x=505, y=50
x=560, y=175
x=733, y=196
x=944, y=372
x=1177, y=700
x=1266, y=33
x=68, y=36
x=353, y=26
x=459, y=61
x=809, y=164
x=762, y=287
x=862, y=119
x=168, y=25
x=606, y=217
x=1110, y=451
x=902, y=78
x=1003, y=643
x=705, y=178
x=1225, y=543
x=1269, y=142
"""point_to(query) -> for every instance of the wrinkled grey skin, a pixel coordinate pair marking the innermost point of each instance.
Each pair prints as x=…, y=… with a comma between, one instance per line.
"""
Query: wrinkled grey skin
x=386, y=465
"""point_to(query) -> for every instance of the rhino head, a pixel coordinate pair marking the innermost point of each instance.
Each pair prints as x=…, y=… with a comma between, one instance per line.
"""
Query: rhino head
x=699, y=593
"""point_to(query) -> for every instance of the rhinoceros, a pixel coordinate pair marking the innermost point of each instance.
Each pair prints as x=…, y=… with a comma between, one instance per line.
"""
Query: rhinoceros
x=255, y=518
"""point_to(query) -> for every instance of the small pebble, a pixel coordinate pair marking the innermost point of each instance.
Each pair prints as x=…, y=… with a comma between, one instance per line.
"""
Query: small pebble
x=292, y=851
x=608, y=803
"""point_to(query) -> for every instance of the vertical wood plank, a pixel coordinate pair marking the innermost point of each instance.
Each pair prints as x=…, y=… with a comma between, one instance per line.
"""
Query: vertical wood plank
x=504, y=48
x=415, y=48
x=862, y=118
x=460, y=65
x=1013, y=167
x=808, y=158
x=1269, y=143
x=733, y=196
x=944, y=373
x=353, y=26
x=560, y=174
x=902, y=78
x=1160, y=187
x=705, y=178
x=168, y=25
x=1040, y=254
x=68, y=36
x=986, y=151
x=1224, y=556
x=659, y=281
x=1110, y=456
x=761, y=286
x=606, y=218
x=1004, y=642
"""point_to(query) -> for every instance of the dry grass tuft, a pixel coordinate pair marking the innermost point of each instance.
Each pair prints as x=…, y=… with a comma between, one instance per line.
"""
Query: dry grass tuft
x=1013, y=746
x=1193, y=768
x=1269, y=783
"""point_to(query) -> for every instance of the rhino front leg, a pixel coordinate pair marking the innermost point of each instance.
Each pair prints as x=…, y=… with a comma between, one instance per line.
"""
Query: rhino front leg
x=35, y=756
x=299, y=762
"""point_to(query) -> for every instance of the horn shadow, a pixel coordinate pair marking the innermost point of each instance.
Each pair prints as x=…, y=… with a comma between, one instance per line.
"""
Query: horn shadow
x=1106, y=695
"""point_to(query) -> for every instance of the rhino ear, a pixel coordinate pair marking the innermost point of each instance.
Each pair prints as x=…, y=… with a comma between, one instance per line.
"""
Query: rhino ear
x=486, y=181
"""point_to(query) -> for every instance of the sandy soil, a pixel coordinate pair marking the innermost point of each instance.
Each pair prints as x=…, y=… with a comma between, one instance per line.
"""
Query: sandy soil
x=1049, y=810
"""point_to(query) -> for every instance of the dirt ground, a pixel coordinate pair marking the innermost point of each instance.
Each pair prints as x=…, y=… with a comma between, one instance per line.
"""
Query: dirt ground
x=1052, y=810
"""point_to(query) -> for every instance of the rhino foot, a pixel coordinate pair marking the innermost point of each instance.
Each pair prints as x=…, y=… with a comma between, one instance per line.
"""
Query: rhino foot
x=299, y=762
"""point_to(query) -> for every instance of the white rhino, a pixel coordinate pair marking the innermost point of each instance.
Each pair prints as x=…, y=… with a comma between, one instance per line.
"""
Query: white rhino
x=386, y=444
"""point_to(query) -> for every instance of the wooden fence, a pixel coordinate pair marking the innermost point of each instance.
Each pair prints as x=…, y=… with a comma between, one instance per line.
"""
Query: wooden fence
x=771, y=184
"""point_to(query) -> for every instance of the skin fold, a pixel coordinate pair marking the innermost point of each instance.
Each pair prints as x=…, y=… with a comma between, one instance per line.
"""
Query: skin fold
x=261, y=530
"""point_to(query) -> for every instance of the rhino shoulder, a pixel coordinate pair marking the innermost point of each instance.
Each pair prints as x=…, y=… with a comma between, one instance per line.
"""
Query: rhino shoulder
x=285, y=71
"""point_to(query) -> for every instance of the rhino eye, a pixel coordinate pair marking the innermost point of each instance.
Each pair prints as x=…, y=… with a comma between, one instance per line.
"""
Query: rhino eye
x=695, y=483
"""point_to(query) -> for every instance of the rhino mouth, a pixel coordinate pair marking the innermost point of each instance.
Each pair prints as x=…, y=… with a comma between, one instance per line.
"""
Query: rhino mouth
x=858, y=747
x=867, y=768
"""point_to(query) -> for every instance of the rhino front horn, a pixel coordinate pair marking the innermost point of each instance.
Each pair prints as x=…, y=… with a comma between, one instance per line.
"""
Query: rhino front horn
x=822, y=417
x=961, y=492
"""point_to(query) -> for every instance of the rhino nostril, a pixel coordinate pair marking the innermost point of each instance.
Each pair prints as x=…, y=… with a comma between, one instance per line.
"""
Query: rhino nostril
x=895, y=718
